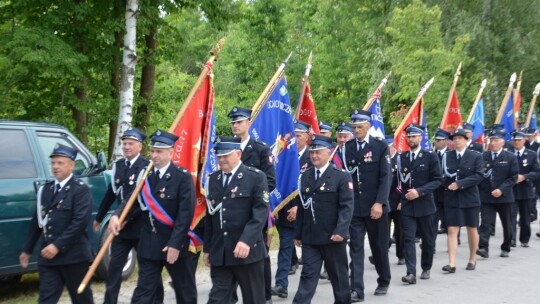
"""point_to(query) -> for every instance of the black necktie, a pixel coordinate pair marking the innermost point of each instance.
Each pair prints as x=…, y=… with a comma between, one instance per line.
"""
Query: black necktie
x=458, y=156
x=361, y=145
x=128, y=164
x=494, y=155
x=226, y=180
x=519, y=154
x=413, y=156
x=57, y=189
x=318, y=174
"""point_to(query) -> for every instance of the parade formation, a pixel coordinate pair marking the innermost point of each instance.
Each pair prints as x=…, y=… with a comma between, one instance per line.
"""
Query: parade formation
x=278, y=172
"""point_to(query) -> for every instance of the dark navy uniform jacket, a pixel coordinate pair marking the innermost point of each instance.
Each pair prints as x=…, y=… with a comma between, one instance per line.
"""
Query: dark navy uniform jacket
x=468, y=172
x=528, y=166
x=244, y=213
x=394, y=197
x=475, y=146
x=127, y=179
x=69, y=214
x=175, y=193
x=439, y=193
x=504, y=172
x=332, y=199
x=372, y=176
x=257, y=154
x=425, y=177
x=305, y=162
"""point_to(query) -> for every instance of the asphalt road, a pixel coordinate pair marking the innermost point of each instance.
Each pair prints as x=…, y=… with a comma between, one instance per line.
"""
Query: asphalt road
x=495, y=280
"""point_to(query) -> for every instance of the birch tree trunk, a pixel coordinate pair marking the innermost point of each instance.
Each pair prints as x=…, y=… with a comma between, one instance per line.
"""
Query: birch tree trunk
x=129, y=61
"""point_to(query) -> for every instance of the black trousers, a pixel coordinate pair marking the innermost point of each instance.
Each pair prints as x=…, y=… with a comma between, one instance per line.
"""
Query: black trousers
x=424, y=225
x=488, y=218
x=120, y=249
x=378, y=236
x=250, y=277
x=335, y=260
x=523, y=208
x=52, y=280
x=395, y=216
x=182, y=273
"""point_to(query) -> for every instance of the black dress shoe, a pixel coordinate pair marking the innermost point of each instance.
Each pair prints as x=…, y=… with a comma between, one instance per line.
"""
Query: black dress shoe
x=279, y=291
x=513, y=243
x=293, y=269
x=538, y=234
x=371, y=260
x=470, y=266
x=401, y=261
x=482, y=252
x=441, y=231
x=492, y=233
x=425, y=275
x=381, y=290
x=524, y=244
x=410, y=279
x=504, y=254
x=449, y=269
x=355, y=297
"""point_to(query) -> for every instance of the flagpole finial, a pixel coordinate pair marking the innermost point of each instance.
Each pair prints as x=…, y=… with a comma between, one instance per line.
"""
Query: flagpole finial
x=537, y=89
x=287, y=59
x=217, y=48
x=484, y=83
x=425, y=87
x=458, y=71
x=513, y=79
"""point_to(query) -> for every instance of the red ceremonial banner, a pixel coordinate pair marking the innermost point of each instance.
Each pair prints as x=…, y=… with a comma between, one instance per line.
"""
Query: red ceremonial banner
x=307, y=112
x=452, y=115
x=413, y=116
x=193, y=132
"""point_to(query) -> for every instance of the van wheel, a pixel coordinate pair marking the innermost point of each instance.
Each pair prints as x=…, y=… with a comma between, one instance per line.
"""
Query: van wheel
x=129, y=267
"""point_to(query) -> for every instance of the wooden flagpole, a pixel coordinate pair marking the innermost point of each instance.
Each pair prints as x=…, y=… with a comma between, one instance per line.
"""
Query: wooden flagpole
x=505, y=99
x=478, y=97
x=418, y=98
x=371, y=98
x=105, y=246
x=516, y=94
x=452, y=89
x=304, y=85
x=532, y=105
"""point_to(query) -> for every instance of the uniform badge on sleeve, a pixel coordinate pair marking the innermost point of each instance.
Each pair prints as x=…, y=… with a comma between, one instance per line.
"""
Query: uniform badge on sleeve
x=266, y=197
x=350, y=186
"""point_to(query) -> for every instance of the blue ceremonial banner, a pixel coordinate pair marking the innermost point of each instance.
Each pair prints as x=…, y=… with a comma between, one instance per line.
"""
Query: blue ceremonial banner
x=210, y=160
x=507, y=118
x=274, y=126
x=377, y=122
x=477, y=120
x=533, y=124
x=426, y=143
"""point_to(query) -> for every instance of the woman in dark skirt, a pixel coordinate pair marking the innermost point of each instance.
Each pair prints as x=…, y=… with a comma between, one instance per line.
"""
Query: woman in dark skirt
x=463, y=170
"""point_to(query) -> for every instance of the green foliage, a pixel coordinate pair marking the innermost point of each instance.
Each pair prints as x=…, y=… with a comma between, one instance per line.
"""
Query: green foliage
x=48, y=48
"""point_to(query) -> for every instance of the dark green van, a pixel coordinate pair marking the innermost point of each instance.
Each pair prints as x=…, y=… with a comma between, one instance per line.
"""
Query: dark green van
x=24, y=166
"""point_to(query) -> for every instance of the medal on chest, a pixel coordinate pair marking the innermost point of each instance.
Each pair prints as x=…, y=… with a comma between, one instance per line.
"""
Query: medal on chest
x=162, y=193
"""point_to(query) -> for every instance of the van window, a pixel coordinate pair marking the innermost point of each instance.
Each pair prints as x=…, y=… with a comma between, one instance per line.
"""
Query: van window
x=16, y=160
x=48, y=140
